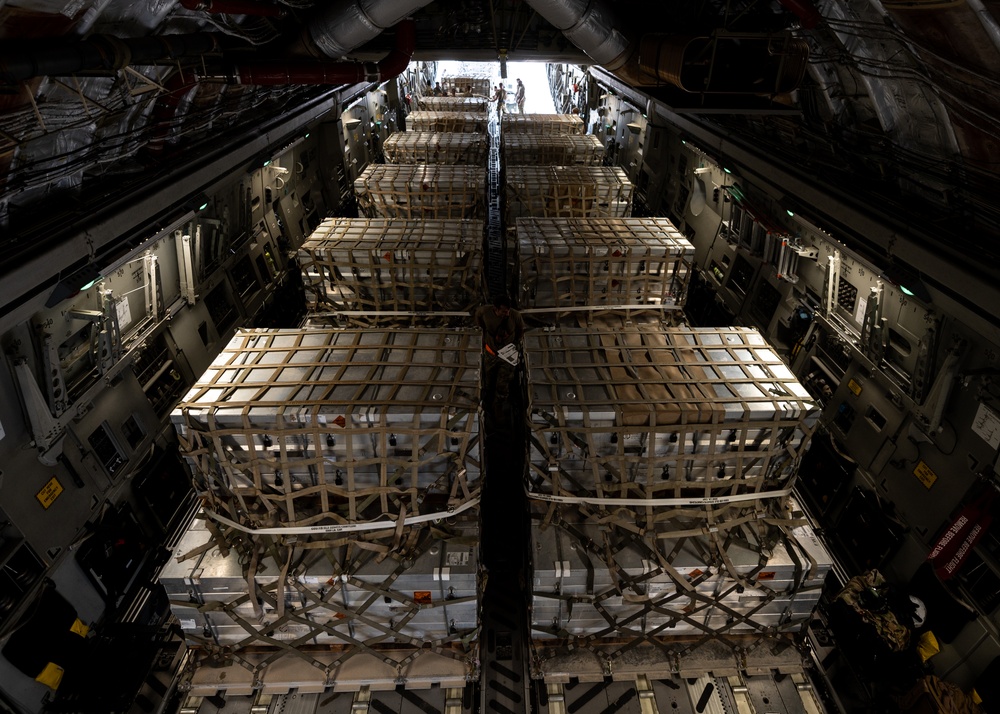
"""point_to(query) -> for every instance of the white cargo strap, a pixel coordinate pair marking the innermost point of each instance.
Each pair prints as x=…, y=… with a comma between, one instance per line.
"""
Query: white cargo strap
x=346, y=527
x=655, y=502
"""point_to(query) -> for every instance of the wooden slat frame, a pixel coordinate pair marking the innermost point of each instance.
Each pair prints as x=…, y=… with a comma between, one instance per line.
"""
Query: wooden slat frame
x=453, y=104
x=547, y=124
x=438, y=121
x=567, y=192
x=379, y=264
x=468, y=84
x=552, y=150
x=567, y=262
x=421, y=191
x=426, y=147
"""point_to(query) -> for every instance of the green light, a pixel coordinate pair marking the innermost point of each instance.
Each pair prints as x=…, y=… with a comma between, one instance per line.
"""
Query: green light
x=92, y=283
x=684, y=142
x=267, y=163
x=906, y=291
x=203, y=206
x=726, y=170
x=306, y=136
x=789, y=212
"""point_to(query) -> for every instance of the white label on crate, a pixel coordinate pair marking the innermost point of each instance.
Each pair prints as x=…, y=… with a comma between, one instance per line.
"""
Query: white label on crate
x=647, y=566
x=859, y=312
x=188, y=624
x=311, y=580
x=124, y=313
x=563, y=569
x=987, y=426
x=442, y=573
x=458, y=558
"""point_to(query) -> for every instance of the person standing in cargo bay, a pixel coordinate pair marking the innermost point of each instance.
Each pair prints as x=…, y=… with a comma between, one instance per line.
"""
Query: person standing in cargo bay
x=519, y=97
x=503, y=328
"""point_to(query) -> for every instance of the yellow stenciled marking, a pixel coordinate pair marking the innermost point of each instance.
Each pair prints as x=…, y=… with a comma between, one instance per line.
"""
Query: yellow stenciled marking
x=49, y=493
x=925, y=474
x=854, y=387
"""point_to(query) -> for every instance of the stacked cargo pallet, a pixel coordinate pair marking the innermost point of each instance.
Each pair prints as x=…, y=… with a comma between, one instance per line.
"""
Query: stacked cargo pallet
x=465, y=85
x=661, y=463
x=453, y=104
x=567, y=192
x=421, y=191
x=590, y=266
x=339, y=472
x=443, y=121
x=541, y=124
x=554, y=150
x=385, y=271
x=422, y=147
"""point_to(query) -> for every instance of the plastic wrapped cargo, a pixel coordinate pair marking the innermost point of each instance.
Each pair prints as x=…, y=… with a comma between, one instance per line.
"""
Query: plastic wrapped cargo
x=364, y=268
x=422, y=147
x=421, y=191
x=440, y=121
x=548, y=124
x=552, y=150
x=650, y=419
x=625, y=586
x=336, y=433
x=567, y=192
x=576, y=263
x=453, y=104
x=727, y=594
x=268, y=602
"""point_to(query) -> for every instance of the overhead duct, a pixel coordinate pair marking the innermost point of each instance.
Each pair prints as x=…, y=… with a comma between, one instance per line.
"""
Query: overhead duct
x=746, y=63
x=346, y=25
x=305, y=72
x=234, y=7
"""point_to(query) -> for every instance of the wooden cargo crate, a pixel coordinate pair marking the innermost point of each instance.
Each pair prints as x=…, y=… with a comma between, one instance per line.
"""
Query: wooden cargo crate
x=383, y=265
x=425, y=147
x=567, y=192
x=646, y=419
x=552, y=150
x=453, y=104
x=468, y=85
x=323, y=430
x=472, y=122
x=580, y=262
x=421, y=191
x=541, y=124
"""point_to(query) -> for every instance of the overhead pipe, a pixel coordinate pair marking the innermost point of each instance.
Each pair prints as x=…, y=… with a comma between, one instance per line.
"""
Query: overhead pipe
x=658, y=59
x=234, y=7
x=305, y=72
x=102, y=53
x=345, y=25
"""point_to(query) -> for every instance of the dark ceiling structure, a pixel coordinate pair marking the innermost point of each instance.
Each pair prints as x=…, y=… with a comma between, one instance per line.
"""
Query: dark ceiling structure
x=893, y=100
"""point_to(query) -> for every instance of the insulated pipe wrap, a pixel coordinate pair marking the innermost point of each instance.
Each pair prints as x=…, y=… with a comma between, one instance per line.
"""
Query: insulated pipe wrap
x=588, y=24
x=348, y=24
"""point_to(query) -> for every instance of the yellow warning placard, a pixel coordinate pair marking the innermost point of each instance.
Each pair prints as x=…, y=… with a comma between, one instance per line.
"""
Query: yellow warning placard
x=49, y=493
x=925, y=474
x=854, y=387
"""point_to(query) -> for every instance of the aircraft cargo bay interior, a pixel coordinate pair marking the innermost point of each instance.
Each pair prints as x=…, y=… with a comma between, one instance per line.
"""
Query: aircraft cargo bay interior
x=510, y=356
